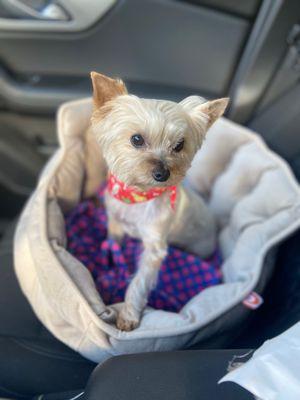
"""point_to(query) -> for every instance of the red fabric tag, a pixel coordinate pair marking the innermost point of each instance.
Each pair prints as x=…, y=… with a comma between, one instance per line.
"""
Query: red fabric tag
x=253, y=301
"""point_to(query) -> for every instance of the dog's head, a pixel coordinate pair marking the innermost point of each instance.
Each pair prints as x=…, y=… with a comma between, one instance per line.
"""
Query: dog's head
x=149, y=143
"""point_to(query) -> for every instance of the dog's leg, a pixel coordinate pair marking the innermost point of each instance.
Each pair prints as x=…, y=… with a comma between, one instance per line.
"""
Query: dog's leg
x=114, y=229
x=144, y=281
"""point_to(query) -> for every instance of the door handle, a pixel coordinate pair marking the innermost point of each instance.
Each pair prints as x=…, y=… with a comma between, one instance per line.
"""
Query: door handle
x=45, y=10
x=52, y=15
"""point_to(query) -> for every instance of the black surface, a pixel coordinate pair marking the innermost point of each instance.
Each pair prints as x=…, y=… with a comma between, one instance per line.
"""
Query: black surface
x=281, y=308
x=283, y=136
x=186, y=375
x=32, y=361
x=264, y=64
x=245, y=9
x=19, y=168
x=68, y=395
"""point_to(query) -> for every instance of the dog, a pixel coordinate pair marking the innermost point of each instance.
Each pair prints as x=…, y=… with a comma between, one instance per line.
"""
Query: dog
x=148, y=146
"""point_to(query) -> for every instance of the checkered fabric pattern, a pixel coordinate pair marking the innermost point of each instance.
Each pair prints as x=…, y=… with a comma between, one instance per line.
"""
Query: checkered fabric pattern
x=182, y=275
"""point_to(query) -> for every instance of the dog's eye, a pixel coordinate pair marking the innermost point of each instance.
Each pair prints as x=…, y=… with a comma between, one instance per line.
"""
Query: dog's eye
x=137, y=140
x=179, y=146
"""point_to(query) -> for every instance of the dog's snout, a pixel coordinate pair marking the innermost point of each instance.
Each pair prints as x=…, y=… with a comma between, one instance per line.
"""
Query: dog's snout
x=160, y=173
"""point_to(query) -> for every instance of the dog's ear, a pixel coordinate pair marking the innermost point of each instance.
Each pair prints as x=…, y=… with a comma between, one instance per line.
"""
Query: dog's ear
x=205, y=112
x=213, y=109
x=105, y=89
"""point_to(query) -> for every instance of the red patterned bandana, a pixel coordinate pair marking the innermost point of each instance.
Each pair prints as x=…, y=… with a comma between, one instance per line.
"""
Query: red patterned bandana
x=130, y=195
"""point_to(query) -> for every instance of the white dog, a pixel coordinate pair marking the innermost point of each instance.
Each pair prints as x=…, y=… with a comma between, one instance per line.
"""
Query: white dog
x=148, y=146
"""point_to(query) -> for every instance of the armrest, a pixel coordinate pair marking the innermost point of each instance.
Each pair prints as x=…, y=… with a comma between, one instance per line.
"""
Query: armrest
x=181, y=375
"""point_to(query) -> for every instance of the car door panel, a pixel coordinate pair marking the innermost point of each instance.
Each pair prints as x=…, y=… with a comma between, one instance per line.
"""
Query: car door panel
x=159, y=42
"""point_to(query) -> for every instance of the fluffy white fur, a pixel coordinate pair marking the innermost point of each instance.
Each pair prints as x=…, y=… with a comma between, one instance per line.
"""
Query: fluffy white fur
x=163, y=124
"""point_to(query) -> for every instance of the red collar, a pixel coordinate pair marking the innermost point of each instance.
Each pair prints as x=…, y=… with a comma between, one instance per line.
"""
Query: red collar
x=130, y=195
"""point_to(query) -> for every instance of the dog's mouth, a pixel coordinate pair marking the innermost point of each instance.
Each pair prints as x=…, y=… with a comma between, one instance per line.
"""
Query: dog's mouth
x=152, y=184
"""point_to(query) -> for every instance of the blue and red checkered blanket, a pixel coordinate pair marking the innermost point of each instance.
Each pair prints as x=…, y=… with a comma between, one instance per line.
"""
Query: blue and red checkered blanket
x=182, y=275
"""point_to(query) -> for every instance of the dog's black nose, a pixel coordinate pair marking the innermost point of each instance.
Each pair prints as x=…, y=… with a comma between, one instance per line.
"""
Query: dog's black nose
x=161, y=173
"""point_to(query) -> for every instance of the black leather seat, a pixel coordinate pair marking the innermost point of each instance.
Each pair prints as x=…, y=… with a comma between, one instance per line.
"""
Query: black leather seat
x=32, y=361
x=177, y=375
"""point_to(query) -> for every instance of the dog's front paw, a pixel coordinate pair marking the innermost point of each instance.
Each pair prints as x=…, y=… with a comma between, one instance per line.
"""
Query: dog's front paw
x=126, y=325
x=127, y=321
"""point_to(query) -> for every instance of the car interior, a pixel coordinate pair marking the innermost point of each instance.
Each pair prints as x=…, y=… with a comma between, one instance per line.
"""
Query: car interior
x=247, y=50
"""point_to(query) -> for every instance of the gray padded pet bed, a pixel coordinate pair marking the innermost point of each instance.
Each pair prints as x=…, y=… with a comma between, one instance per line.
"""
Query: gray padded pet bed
x=251, y=191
